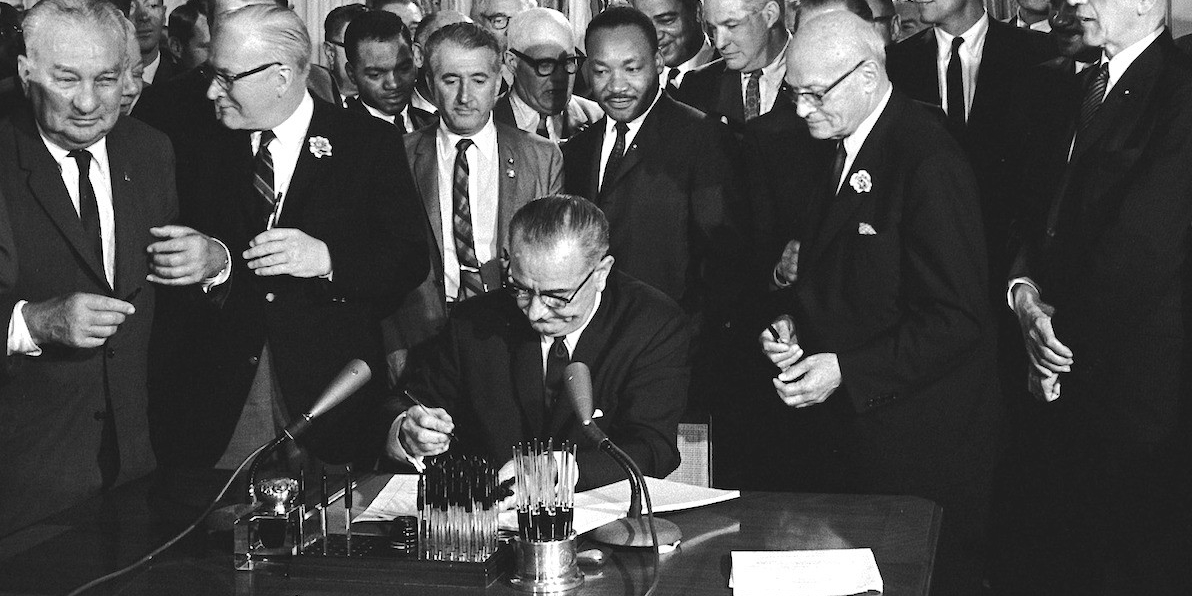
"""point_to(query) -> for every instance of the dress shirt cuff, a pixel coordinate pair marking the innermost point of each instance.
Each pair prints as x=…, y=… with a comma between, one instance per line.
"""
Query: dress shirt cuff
x=1010, y=289
x=19, y=339
x=779, y=280
x=224, y=273
x=399, y=450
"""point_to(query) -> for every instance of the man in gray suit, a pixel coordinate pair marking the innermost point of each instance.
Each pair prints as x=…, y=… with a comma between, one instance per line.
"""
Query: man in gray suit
x=473, y=173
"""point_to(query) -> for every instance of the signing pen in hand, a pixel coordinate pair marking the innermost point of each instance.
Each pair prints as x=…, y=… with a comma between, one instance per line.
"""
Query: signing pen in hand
x=774, y=332
x=419, y=403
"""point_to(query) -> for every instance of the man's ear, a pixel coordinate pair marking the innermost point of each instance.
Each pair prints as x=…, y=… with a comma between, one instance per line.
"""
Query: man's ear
x=25, y=71
x=351, y=73
x=772, y=12
x=174, y=46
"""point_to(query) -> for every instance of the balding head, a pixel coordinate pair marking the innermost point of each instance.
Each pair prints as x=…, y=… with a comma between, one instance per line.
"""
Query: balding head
x=836, y=60
x=538, y=26
x=435, y=21
x=542, y=56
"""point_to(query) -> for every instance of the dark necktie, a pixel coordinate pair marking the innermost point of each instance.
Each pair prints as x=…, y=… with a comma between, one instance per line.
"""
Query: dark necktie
x=262, y=174
x=955, y=86
x=470, y=283
x=671, y=75
x=838, y=167
x=557, y=359
x=88, y=206
x=1094, y=95
x=543, y=131
x=614, y=158
x=753, y=96
x=400, y=123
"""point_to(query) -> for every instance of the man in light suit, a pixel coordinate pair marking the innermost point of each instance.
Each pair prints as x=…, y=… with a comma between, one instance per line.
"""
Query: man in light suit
x=326, y=235
x=472, y=174
x=886, y=336
x=1102, y=298
x=495, y=375
x=542, y=52
x=381, y=66
x=76, y=303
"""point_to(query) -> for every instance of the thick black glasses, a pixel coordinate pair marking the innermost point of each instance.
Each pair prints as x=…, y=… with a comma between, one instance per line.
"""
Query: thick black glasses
x=546, y=67
x=225, y=80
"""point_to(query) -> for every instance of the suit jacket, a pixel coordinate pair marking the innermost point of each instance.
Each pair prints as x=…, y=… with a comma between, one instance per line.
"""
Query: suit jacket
x=1113, y=258
x=359, y=200
x=892, y=280
x=486, y=370
x=419, y=118
x=52, y=406
x=581, y=113
x=531, y=167
x=996, y=133
x=167, y=68
x=674, y=214
x=716, y=91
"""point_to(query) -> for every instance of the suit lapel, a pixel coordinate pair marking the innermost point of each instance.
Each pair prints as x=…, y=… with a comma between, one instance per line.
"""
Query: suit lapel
x=45, y=183
x=648, y=136
x=597, y=139
x=126, y=214
x=308, y=168
x=730, y=102
x=526, y=360
x=426, y=174
x=509, y=183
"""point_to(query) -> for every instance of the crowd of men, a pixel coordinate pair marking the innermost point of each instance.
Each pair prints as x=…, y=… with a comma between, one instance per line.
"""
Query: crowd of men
x=896, y=249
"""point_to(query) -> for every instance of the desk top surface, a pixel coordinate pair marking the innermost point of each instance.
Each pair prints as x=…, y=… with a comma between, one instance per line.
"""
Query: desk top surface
x=117, y=528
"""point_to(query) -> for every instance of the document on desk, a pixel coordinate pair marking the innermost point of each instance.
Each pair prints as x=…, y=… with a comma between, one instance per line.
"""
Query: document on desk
x=842, y=572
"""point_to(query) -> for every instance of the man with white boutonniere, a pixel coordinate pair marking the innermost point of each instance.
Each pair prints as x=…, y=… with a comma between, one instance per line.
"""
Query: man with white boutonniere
x=319, y=233
x=885, y=335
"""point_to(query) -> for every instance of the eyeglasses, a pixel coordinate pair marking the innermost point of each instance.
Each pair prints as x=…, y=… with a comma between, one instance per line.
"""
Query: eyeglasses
x=338, y=44
x=225, y=80
x=549, y=300
x=816, y=98
x=498, y=21
x=546, y=67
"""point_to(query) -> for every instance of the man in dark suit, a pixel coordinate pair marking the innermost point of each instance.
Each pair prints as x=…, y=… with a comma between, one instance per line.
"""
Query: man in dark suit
x=887, y=336
x=496, y=373
x=545, y=61
x=149, y=17
x=189, y=34
x=381, y=66
x=72, y=267
x=325, y=234
x=340, y=87
x=472, y=173
x=747, y=80
x=681, y=39
x=1102, y=301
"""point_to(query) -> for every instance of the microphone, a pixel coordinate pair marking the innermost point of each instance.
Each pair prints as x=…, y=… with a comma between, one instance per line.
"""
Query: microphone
x=633, y=530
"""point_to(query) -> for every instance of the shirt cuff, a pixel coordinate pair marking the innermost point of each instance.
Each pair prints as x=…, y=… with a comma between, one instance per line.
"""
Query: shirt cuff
x=1015, y=282
x=416, y=461
x=224, y=273
x=20, y=341
x=778, y=280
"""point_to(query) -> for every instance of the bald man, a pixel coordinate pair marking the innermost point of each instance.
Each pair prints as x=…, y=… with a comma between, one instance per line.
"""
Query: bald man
x=886, y=338
x=544, y=61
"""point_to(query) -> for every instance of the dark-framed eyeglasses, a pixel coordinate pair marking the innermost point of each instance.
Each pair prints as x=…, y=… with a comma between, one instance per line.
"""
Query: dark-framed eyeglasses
x=225, y=80
x=338, y=44
x=816, y=98
x=550, y=300
x=546, y=67
x=497, y=21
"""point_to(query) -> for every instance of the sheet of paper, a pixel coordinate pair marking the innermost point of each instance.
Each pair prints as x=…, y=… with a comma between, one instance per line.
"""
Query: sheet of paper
x=666, y=495
x=399, y=497
x=842, y=572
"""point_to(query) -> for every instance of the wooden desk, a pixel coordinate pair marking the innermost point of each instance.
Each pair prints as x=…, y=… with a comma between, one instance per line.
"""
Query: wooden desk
x=111, y=531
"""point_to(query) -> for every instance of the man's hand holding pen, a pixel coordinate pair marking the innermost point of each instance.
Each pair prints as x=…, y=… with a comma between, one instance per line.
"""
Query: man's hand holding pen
x=801, y=381
x=424, y=432
x=780, y=344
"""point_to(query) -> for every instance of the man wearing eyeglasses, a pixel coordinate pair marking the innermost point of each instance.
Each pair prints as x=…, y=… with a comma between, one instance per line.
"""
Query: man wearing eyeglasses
x=494, y=15
x=337, y=57
x=315, y=208
x=494, y=377
x=542, y=50
x=886, y=338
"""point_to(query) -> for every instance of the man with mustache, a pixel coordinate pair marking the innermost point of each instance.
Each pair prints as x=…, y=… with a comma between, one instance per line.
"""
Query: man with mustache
x=681, y=38
x=542, y=52
x=381, y=66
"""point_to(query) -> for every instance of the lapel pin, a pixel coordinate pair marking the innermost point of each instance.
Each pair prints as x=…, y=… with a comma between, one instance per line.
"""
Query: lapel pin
x=510, y=173
x=126, y=178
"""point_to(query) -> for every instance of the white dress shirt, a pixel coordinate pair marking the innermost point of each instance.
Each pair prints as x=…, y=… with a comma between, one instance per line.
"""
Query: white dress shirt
x=405, y=115
x=527, y=117
x=288, y=144
x=20, y=341
x=770, y=82
x=702, y=57
x=970, y=61
x=150, y=72
x=610, y=133
x=422, y=103
x=1043, y=26
x=854, y=142
x=483, y=197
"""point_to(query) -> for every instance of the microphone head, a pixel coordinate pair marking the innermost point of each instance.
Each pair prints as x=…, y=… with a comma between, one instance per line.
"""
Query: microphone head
x=349, y=380
x=578, y=380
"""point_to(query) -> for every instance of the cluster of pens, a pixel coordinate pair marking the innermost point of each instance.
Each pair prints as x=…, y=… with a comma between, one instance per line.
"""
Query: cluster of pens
x=545, y=503
x=458, y=500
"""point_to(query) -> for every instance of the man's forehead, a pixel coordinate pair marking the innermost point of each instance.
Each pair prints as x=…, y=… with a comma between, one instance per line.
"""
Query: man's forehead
x=724, y=9
x=78, y=47
x=508, y=7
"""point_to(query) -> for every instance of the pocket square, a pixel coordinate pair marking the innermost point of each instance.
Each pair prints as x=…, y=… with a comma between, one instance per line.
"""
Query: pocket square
x=597, y=413
x=865, y=229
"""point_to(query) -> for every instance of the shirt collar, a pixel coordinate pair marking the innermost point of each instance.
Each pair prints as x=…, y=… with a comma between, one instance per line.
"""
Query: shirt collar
x=1122, y=61
x=98, y=150
x=292, y=131
x=974, y=38
x=485, y=139
x=571, y=339
x=523, y=109
x=636, y=123
x=776, y=67
x=149, y=75
x=379, y=114
x=854, y=142
x=699, y=59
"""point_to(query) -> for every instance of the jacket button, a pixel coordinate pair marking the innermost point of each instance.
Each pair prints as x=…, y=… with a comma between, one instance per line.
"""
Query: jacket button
x=1051, y=232
x=269, y=297
x=111, y=352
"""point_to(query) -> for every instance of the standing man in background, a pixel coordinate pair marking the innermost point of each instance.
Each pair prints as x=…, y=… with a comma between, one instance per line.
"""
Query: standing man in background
x=681, y=38
x=381, y=65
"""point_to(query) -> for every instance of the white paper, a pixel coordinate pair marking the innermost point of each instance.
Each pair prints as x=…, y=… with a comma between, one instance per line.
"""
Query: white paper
x=399, y=497
x=841, y=572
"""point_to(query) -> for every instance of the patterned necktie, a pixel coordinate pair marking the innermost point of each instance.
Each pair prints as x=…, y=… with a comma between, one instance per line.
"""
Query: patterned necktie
x=614, y=158
x=557, y=359
x=955, y=84
x=88, y=206
x=262, y=174
x=838, y=167
x=1094, y=95
x=543, y=131
x=753, y=95
x=470, y=283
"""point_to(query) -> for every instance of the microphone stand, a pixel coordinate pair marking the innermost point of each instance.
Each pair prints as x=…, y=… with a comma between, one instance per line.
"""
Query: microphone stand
x=635, y=530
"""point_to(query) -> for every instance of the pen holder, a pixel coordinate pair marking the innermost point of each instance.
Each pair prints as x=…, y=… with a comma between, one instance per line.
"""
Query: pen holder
x=547, y=566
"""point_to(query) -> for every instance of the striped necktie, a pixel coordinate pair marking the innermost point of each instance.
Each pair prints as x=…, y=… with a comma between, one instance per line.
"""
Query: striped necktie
x=262, y=175
x=470, y=283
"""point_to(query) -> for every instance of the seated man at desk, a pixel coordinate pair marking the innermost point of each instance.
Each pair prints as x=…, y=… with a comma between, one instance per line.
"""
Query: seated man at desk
x=494, y=377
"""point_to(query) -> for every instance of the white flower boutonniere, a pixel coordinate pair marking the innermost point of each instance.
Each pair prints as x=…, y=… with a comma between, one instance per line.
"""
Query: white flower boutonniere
x=860, y=181
x=320, y=147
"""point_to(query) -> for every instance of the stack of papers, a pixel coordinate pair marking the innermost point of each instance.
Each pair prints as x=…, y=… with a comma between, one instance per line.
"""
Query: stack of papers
x=842, y=572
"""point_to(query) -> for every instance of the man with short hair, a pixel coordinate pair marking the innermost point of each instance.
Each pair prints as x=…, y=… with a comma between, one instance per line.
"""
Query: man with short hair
x=886, y=338
x=494, y=16
x=1032, y=14
x=381, y=66
x=189, y=35
x=409, y=11
x=681, y=38
x=333, y=48
x=325, y=233
x=747, y=80
x=149, y=16
x=545, y=62
x=433, y=22
x=80, y=189
x=494, y=377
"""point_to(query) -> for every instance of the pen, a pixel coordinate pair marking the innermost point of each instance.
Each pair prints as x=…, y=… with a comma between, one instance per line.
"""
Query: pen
x=774, y=332
x=419, y=403
x=348, y=508
x=275, y=214
x=323, y=517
